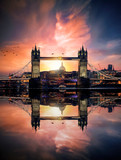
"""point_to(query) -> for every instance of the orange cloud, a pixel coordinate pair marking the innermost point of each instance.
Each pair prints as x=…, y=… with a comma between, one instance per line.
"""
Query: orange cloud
x=54, y=28
x=71, y=34
x=50, y=33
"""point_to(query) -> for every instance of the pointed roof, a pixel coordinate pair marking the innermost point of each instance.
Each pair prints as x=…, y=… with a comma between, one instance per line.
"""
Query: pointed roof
x=62, y=108
x=82, y=48
x=35, y=48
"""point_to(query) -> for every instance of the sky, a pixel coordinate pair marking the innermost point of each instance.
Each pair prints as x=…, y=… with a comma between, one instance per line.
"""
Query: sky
x=59, y=26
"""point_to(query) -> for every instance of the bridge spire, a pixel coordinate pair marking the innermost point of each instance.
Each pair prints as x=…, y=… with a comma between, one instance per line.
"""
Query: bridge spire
x=35, y=48
x=82, y=48
x=35, y=60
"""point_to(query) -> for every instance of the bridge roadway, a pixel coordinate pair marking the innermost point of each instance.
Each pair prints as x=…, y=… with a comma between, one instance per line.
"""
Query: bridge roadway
x=15, y=98
x=91, y=79
x=13, y=79
x=28, y=98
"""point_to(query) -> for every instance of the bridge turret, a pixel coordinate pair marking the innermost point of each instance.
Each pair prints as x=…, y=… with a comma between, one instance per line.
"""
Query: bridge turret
x=35, y=60
x=82, y=55
x=82, y=113
x=35, y=115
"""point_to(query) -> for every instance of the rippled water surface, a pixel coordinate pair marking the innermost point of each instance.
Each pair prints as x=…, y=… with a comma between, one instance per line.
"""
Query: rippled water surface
x=60, y=126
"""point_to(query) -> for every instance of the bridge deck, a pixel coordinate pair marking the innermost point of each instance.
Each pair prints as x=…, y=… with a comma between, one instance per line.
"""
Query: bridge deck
x=91, y=79
x=59, y=58
x=14, y=79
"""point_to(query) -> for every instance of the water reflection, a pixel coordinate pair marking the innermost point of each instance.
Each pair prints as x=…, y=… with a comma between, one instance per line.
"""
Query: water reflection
x=61, y=106
x=60, y=125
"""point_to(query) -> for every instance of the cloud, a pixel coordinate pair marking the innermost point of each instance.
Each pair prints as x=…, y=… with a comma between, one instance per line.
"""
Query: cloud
x=56, y=26
x=53, y=25
x=27, y=19
x=104, y=57
x=71, y=29
x=113, y=43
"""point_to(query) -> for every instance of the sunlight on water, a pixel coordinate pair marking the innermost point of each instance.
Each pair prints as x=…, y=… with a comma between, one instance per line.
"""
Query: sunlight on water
x=50, y=111
x=63, y=110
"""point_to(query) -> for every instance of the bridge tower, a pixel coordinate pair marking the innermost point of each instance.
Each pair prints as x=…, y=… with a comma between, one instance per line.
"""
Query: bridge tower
x=35, y=115
x=82, y=55
x=35, y=60
x=82, y=66
x=82, y=113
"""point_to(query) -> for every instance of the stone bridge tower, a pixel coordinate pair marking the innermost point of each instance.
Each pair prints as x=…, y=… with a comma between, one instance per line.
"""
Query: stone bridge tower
x=35, y=61
x=82, y=54
x=82, y=68
x=35, y=114
x=82, y=113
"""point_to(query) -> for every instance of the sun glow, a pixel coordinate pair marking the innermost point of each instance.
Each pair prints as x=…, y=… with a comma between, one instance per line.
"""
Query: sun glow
x=55, y=65
x=50, y=111
x=50, y=65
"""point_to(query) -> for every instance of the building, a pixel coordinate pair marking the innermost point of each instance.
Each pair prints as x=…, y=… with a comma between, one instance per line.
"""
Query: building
x=58, y=77
x=110, y=67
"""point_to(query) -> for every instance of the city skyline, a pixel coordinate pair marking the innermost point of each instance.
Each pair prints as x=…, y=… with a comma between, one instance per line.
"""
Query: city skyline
x=59, y=27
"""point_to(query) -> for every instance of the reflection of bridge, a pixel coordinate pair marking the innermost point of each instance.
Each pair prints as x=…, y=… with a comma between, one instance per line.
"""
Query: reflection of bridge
x=106, y=79
x=82, y=104
x=13, y=79
x=82, y=68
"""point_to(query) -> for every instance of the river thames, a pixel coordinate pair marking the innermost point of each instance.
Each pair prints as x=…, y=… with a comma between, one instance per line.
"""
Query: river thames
x=60, y=125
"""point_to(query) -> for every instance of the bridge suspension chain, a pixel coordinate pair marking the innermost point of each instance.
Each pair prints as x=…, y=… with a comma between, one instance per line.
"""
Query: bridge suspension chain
x=103, y=73
x=20, y=106
x=13, y=74
x=107, y=100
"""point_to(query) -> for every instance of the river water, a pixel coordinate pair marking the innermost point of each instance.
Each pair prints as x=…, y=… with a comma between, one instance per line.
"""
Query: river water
x=60, y=126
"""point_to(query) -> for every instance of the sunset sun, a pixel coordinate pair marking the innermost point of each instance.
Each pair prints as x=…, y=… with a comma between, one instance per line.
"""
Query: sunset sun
x=55, y=65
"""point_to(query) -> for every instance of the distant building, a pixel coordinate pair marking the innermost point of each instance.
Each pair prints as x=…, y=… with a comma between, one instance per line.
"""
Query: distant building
x=26, y=75
x=62, y=68
x=110, y=67
x=59, y=77
x=109, y=72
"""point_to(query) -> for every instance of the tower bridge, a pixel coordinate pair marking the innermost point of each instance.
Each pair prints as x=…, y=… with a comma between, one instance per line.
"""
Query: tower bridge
x=82, y=79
